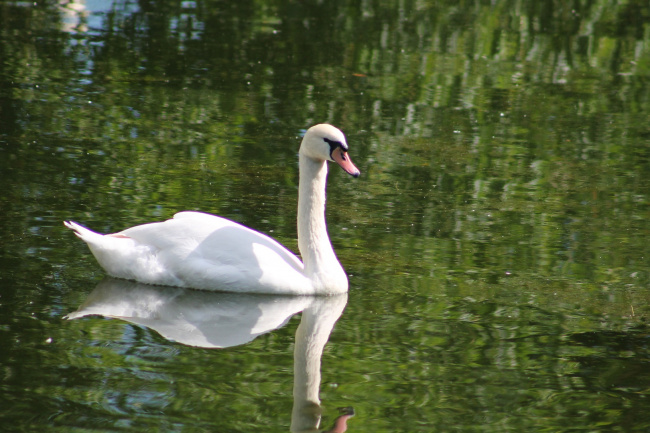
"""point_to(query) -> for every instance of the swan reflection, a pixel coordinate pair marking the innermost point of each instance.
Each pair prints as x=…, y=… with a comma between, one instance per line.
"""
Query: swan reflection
x=219, y=320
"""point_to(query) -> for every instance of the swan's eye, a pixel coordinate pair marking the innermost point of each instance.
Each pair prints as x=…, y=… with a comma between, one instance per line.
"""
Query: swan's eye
x=334, y=144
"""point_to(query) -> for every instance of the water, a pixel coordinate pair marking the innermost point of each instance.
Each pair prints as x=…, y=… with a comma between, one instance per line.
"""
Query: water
x=495, y=242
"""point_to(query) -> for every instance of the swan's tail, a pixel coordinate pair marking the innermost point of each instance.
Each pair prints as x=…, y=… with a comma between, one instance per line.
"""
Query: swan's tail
x=115, y=253
x=86, y=235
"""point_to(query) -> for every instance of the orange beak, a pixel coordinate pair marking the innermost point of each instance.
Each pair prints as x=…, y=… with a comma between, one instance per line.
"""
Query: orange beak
x=341, y=157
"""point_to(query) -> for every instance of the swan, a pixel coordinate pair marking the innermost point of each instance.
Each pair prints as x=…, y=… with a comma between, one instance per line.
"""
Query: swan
x=203, y=251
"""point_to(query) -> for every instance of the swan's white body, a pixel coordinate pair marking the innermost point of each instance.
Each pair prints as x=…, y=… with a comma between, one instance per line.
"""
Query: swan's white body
x=208, y=252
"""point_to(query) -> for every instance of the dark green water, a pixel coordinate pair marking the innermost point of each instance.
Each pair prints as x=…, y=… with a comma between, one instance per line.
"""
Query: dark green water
x=497, y=242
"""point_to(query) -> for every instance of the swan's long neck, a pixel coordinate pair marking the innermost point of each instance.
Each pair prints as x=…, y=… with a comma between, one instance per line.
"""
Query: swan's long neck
x=321, y=264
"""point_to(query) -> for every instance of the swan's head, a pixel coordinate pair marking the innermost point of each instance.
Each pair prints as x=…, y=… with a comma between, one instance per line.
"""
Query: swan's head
x=326, y=143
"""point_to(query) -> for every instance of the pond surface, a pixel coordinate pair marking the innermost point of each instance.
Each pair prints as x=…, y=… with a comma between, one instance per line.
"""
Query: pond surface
x=497, y=242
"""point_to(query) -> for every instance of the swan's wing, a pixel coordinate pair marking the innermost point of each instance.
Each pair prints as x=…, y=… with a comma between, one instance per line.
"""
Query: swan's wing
x=201, y=249
x=208, y=234
x=186, y=229
x=202, y=216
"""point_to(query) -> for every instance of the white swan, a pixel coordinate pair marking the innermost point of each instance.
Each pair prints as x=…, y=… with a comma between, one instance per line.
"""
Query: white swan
x=208, y=252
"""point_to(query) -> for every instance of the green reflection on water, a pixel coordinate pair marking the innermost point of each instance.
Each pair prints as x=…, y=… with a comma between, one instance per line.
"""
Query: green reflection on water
x=496, y=240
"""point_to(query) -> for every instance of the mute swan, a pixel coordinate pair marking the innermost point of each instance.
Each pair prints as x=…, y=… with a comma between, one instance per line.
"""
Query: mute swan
x=204, y=251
